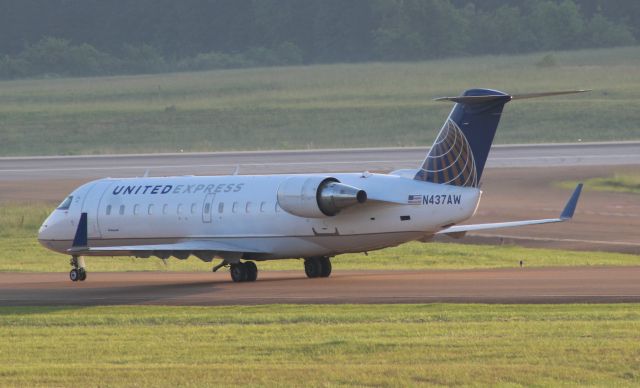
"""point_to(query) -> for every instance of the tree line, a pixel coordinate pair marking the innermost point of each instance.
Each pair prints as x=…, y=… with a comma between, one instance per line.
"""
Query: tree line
x=96, y=37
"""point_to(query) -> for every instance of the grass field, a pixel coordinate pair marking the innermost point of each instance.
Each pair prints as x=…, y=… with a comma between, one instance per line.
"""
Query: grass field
x=344, y=105
x=294, y=345
x=622, y=183
x=22, y=253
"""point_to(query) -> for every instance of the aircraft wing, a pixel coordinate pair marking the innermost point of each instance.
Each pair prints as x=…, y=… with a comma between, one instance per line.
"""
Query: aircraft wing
x=567, y=214
x=184, y=246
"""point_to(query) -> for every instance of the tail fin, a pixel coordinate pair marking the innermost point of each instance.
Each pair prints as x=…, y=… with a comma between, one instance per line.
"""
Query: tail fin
x=460, y=151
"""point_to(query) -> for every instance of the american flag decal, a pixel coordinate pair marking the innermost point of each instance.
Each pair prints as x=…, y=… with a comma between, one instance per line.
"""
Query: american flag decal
x=414, y=200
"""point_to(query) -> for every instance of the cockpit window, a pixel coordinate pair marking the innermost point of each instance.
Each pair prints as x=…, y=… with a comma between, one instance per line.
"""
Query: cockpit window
x=66, y=203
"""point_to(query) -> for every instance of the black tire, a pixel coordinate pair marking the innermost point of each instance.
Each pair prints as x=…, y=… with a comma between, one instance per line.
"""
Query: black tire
x=238, y=272
x=74, y=275
x=82, y=274
x=252, y=271
x=312, y=267
x=325, y=263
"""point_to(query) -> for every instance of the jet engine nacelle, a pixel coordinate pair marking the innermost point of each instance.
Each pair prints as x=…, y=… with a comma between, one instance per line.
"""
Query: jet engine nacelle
x=317, y=196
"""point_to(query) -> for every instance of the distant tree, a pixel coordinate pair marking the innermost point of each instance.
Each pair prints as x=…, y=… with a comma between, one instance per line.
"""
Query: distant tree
x=12, y=67
x=556, y=26
x=602, y=32
x=497, y=32
x=289, y=54
x=143, y=58
x=394, y=39
x=86, y=37
x=58, y=56
x=341, y=30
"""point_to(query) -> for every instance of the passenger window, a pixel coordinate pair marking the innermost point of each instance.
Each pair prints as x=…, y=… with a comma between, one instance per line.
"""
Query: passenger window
x=247, y=208
x=263, y=207
x=150, y=210
x=221, y=207
x=207, y=208
x=179, y=209
x=122, y=210
x=194, y=207
x=165, y=209
x=108, y=210
x=64, y=205
x=235, y=207
x=136, y=210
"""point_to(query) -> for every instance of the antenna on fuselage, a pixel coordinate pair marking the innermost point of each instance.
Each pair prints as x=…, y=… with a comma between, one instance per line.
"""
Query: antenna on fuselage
x=146, y=173
x=237, y=170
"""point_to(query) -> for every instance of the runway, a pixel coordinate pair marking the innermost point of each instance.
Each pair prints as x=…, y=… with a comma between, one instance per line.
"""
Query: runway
x=528, y=285
x=305, y=161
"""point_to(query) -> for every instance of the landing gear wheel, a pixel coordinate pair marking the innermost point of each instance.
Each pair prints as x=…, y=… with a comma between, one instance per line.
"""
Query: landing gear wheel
x=78, y=273
x=74, y=275
x=252, y=271
x=325, y=263
x=312, y=267
x=238, y=272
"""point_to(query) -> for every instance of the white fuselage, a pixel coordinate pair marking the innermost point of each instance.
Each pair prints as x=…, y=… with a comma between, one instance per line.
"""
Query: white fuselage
x=243, y=210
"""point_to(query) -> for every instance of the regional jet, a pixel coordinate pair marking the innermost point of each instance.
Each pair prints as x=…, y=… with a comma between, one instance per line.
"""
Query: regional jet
x=244, y=219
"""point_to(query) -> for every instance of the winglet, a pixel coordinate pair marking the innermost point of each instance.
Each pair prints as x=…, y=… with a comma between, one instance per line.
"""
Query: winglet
x=570, y=207
x=80, y=240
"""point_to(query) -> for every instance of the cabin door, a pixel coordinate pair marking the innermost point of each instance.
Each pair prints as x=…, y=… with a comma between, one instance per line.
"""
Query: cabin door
x=207, y=208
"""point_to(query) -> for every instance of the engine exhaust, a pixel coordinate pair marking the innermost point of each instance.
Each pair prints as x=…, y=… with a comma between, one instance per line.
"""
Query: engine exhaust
x=334, y=196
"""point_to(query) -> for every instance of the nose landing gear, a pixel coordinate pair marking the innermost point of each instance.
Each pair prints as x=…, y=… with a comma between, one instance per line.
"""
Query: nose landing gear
x=78, y=273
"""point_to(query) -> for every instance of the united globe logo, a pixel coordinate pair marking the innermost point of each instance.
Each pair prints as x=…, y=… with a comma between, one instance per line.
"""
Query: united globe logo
x=450, y=160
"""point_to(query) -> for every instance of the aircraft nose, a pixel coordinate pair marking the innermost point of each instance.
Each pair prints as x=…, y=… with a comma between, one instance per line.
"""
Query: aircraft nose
x=44, y=231
x=53, y=228
x=55, y=231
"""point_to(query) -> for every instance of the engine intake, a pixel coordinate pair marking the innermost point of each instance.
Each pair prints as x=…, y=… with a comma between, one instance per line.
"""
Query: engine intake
x=317, y=196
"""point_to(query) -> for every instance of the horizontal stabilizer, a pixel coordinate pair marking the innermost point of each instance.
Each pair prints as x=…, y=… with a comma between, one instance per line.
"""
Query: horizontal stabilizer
x=470, y=100
x=475, y=99
x=547, y=94
x=567, y=214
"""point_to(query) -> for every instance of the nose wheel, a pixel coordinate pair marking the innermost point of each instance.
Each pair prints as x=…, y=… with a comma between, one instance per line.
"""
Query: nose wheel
x=77, y=273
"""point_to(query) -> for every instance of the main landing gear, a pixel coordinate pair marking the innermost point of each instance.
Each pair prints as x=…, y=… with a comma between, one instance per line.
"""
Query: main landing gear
x=244, y=272
x=317, y=267
x=314, y=267
x=78, y=273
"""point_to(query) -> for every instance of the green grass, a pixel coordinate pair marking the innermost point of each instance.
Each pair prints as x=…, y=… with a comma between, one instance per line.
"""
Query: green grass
x=22, y=253
x=622, y=183
x=321, y=345
x=344, y=105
